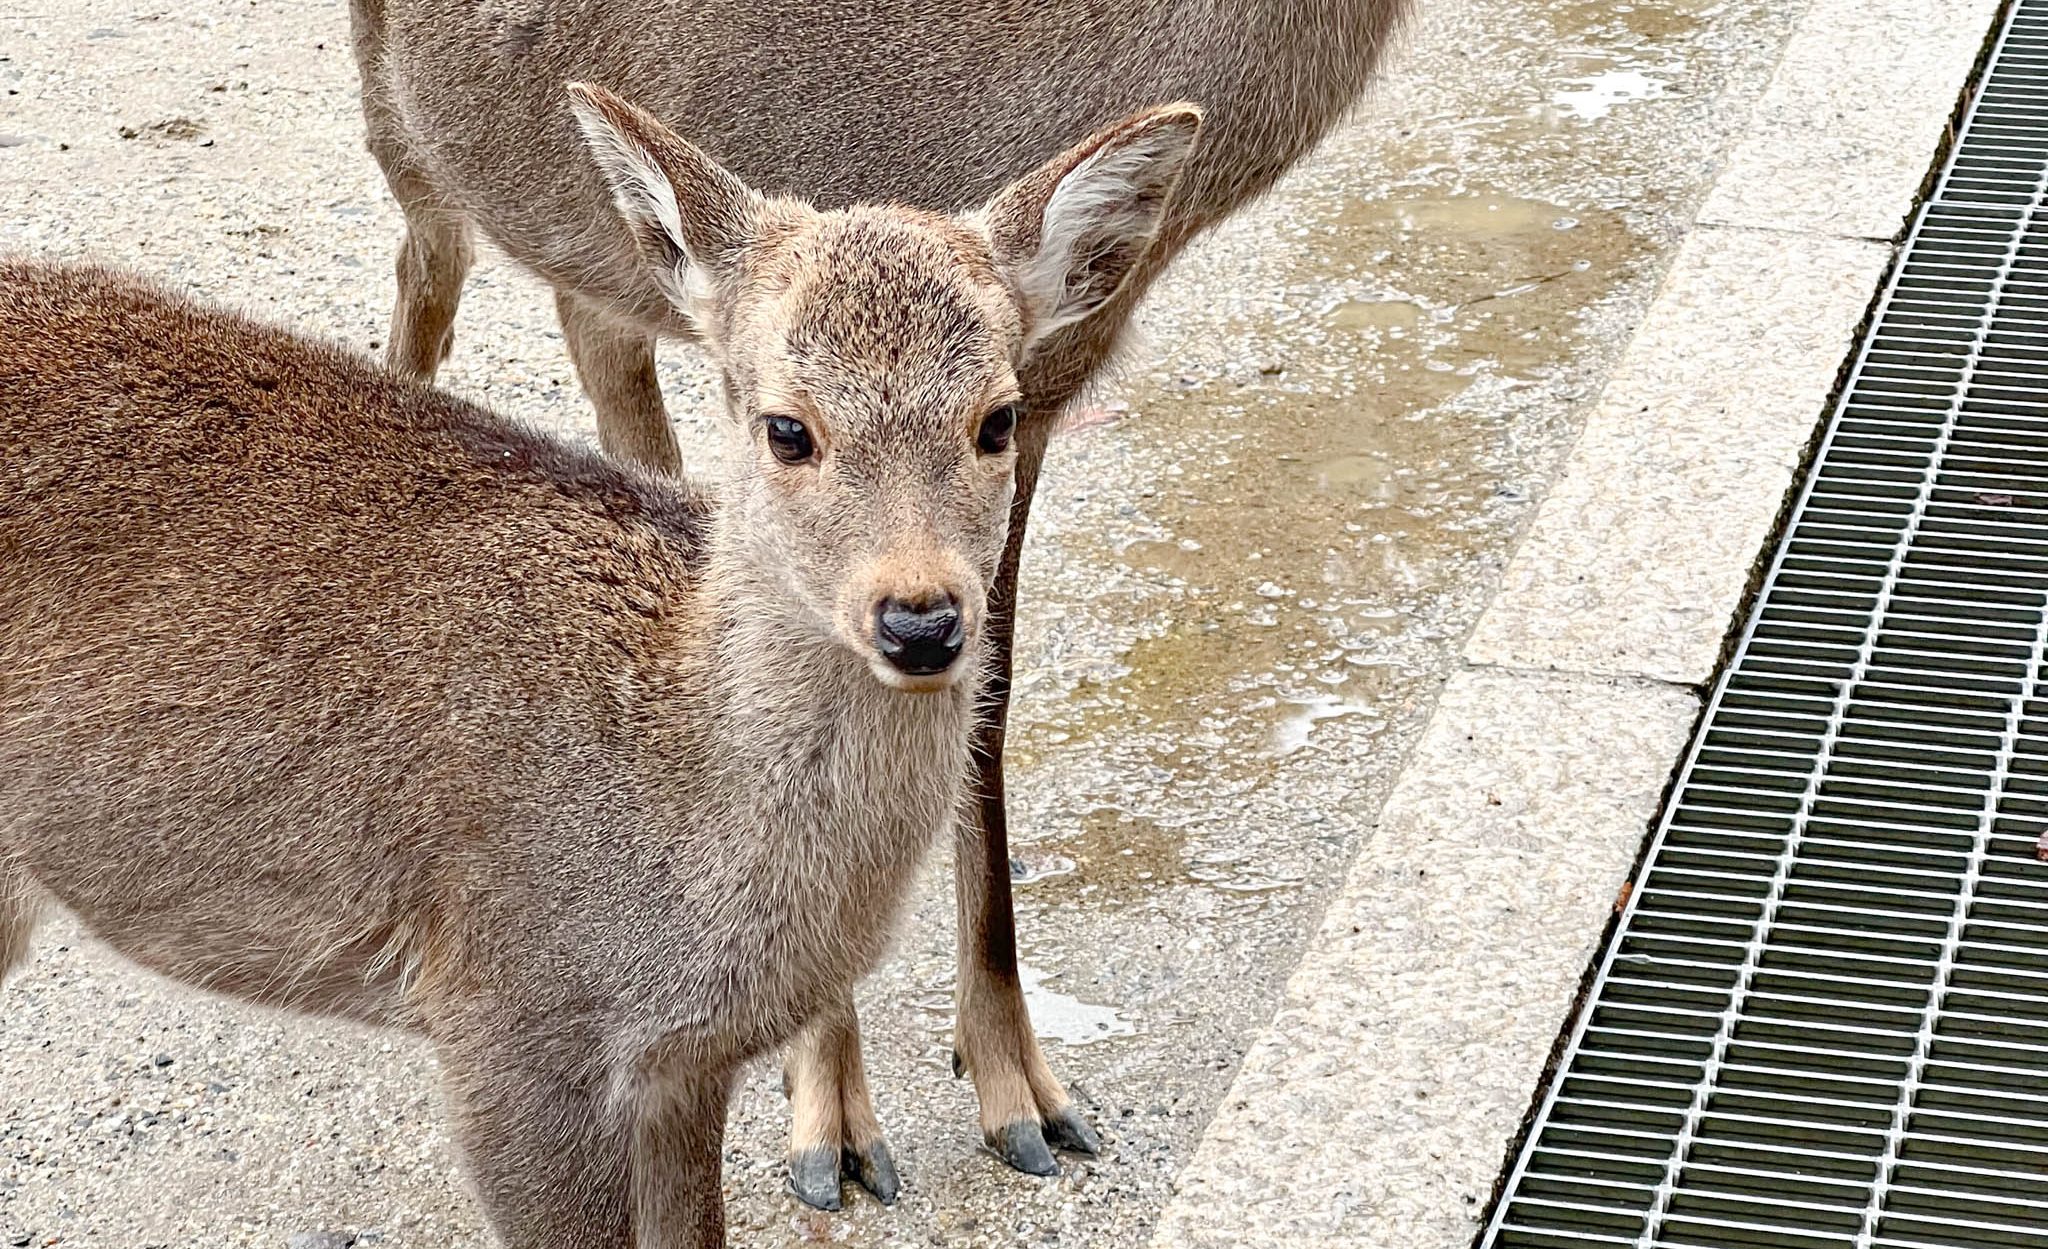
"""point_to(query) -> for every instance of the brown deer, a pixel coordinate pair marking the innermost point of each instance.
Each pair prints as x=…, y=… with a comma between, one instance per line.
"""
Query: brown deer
x=934, y=103
x=331, y=692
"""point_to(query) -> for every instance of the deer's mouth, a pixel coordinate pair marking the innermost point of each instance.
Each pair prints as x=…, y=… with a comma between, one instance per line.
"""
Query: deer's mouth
x=920, y=682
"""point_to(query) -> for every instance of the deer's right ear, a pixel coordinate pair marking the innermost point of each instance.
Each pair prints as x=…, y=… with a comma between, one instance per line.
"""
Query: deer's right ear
x=689, y=215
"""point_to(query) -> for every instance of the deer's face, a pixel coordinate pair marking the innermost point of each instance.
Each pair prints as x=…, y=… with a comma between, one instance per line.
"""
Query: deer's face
x=871, y=358
x=870, y=361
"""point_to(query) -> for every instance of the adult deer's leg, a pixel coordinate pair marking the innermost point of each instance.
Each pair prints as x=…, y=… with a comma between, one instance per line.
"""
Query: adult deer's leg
x=433, y=262
x=1025, y=1110
x=833, y=1128
x=19, y=907
x=435, y=257
x=616, y=366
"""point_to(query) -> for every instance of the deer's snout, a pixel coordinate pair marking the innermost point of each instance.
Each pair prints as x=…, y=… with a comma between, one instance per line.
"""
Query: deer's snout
x=913, y=612
x=920, y=638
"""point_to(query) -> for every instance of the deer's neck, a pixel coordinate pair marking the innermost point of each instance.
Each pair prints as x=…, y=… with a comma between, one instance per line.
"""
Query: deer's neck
x=805, y=785
x=803, y=713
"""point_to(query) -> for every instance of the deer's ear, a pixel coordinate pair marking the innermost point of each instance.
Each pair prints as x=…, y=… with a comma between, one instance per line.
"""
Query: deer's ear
x=1067, y=234
x=689, y=215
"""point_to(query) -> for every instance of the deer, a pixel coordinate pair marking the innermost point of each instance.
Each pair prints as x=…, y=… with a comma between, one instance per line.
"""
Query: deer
x=331, y=692
x=931, y=103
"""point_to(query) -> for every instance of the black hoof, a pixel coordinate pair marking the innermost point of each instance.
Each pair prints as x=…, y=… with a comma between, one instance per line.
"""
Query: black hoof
x=1022, y=1146
x=814, y=1177
x=875, y=1169
x=1068, y=1128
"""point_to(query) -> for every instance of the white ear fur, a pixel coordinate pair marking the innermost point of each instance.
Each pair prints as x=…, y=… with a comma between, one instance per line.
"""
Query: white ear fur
x=1097, y=220
x=645, y=190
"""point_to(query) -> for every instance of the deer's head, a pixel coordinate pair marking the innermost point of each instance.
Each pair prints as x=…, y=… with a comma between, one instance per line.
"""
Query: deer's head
x=870, y=357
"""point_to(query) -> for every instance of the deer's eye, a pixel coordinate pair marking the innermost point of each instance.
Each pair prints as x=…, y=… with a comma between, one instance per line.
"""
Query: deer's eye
x=996, y=428
x=789, y=440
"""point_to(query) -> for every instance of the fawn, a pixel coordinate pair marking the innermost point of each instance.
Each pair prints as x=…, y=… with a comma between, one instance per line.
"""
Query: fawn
x=334, y=693
x=935, y=103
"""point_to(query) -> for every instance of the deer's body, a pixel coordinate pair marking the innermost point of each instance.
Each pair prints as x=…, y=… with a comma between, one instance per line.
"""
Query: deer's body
x=332, y=693
x=933, y=103
x=475, y=697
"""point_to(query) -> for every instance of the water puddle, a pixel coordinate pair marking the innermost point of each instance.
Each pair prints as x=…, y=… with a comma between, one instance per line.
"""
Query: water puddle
x=1056, y=1016
x=1319, y=508
x=1293, y=732
x=1596, y=95
x=1391, y=314
x=1627, y=23
x=1114, y=852
x=1619, y=53
x=1028, y=868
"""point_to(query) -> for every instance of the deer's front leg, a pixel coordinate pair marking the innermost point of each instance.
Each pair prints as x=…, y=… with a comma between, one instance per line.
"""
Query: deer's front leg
x=550, y=1165
x=1025, y=1110
x=678, y=1156
x=558, y=1161
x=833, y=1128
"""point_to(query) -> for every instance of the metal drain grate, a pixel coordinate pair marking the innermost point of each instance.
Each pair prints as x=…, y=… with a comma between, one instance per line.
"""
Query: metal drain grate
x=1824, y=1019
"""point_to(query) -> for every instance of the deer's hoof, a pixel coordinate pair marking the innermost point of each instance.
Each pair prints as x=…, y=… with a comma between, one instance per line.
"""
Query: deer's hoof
x=814, y=1177
x=875, y=1170
x=814, y=1174
x=1022, y=1145
x=1068, y=1128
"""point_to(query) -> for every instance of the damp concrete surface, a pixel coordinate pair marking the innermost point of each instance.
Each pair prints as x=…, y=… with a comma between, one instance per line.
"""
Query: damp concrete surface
x=1254, y=557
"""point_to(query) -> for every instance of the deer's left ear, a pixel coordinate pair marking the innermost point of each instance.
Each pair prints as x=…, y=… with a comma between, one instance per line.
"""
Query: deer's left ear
x=689, y=215
x=1067, y=234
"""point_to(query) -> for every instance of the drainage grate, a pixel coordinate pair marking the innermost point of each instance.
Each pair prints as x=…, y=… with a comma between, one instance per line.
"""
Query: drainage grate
x=1824, y=1018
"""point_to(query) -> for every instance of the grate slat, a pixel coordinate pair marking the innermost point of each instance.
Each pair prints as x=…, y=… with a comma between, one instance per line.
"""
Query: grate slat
x=1822, y=1022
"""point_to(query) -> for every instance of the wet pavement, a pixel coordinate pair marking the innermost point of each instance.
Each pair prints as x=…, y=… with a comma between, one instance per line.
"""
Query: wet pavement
x=1254, y=559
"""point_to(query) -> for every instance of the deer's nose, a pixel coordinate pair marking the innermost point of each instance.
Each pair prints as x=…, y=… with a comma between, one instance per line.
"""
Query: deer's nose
x=920, y=639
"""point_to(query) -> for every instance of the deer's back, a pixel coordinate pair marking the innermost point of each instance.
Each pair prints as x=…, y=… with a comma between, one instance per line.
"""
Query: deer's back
x=260, y=604
x=937, y=103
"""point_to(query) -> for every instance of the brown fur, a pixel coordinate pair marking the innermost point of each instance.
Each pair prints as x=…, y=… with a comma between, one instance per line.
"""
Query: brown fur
x=336, y=694
x=935, y=103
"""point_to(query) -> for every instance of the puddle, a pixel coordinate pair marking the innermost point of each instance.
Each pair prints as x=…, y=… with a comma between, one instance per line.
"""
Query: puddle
x=1596, y=95
x=1294, y=732
x=1032, y=868
x=1649, y=22
x=1317, y=512
x=1619, y=53
x=1231, y=871
x=1113, y=852
x=1391, y=314
x=1058, y=1017
x=1055, y=1016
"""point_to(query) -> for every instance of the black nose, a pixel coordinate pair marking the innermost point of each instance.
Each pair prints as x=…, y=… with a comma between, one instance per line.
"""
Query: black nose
x=920, y=640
